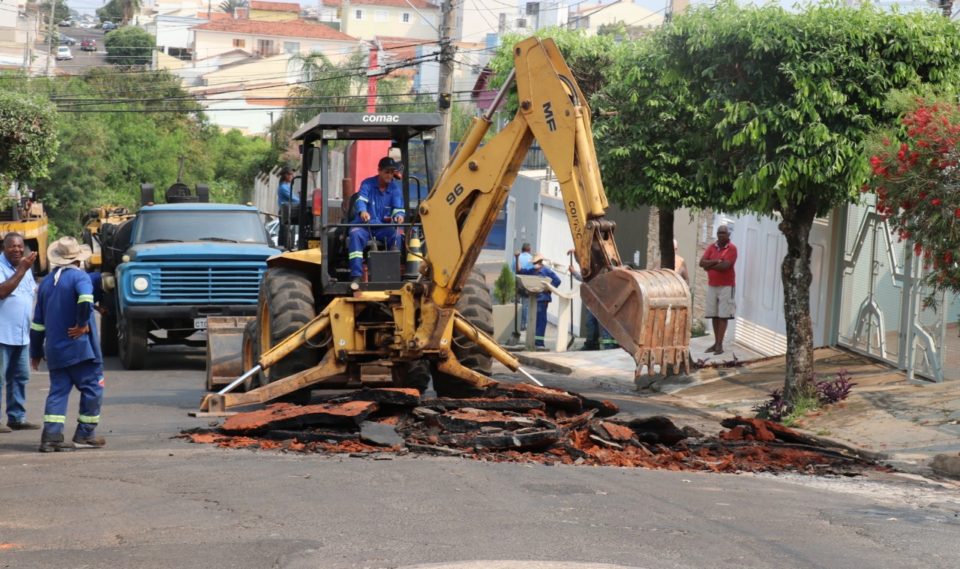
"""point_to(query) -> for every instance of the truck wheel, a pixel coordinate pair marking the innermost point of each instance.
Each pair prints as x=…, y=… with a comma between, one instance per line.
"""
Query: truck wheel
x=133, y=343
x=108, y=327
x=476, y=306
x=286, y=304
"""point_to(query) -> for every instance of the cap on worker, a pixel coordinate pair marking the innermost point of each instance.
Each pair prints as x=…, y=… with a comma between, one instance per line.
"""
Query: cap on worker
x=538, y=258
x=66, y=251
x=387, y=163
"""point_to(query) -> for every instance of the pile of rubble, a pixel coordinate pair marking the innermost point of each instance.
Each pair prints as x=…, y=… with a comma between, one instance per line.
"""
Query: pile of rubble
x=523, y=423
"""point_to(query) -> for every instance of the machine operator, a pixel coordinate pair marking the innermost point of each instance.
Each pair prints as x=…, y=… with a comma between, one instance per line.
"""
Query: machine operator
x=380, y=200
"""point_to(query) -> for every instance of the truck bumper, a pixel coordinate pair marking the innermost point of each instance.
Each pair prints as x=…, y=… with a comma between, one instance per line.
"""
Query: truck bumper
x=167, y=312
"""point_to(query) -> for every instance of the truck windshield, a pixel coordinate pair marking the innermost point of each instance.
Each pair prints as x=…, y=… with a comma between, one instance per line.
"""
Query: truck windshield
x=220, y=226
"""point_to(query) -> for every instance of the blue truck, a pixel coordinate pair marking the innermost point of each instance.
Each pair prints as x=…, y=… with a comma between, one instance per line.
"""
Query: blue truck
x=172, y=267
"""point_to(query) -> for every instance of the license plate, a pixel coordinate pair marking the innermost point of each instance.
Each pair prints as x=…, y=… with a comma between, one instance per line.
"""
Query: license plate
x=200, y=323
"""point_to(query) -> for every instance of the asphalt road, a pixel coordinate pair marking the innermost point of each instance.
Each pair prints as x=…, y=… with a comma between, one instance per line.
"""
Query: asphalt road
x=83, y=60
x=149, y=500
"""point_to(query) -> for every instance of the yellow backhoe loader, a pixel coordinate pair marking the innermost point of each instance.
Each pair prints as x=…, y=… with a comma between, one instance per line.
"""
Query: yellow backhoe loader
x=316, y=328
x=25, y=215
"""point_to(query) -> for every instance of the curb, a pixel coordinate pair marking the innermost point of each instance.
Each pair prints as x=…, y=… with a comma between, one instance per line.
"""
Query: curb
x=543, y=364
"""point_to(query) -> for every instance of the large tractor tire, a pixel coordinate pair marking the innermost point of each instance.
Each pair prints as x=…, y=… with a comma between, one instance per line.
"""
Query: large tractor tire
x=476, y=306
x=250, y=354
x=133, y=343
x=109, y=344
x=286, y=305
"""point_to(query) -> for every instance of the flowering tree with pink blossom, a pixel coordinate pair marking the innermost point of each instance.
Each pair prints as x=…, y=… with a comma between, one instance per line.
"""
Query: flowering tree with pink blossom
x=917, y=183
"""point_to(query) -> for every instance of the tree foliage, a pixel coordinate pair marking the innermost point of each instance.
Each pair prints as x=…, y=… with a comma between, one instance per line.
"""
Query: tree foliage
x=60, y=11
x=130, y=46
x=112, y=11
x=229, y=6
x=917, y=185
x=28, y=137
x=108, y=148
x=782, y=102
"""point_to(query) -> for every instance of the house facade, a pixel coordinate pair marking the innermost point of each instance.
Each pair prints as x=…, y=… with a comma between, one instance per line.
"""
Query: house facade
x=366, y=19
x=270, y=38
x=590, y=18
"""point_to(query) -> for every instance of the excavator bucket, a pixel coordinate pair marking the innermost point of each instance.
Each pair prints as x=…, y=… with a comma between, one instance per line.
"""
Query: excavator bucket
x=224, y=349
x=647, y=312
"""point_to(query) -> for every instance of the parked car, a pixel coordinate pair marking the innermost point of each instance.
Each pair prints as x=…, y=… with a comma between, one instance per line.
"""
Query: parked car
x=65, y=23
x=67, y=40
x=107, y=26
x=88, y=44
x=63, y=52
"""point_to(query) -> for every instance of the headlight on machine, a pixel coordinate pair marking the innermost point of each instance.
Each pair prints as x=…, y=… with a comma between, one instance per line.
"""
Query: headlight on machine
x=141, y=284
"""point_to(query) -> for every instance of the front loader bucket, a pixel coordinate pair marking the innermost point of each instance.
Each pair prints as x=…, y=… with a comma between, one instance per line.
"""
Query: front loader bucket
x=224, y=349
x=647, y=312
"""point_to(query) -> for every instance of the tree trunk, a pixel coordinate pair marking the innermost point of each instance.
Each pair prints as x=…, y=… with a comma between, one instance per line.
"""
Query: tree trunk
x=797, y=276
x=666, y=239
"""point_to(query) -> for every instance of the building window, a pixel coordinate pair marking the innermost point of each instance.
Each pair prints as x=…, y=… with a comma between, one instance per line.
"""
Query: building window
x=265, y=47
x=291, y=47
x=405, y=17
x=238, y=43
x=358, y=15
x=380, y=16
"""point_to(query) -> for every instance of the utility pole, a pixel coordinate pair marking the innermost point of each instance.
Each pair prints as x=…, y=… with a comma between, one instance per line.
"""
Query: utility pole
x=50, y=31
x=445, y=87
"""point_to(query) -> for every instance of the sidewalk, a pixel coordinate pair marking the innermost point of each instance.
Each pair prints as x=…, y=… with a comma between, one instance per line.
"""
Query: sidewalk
x=909, y=423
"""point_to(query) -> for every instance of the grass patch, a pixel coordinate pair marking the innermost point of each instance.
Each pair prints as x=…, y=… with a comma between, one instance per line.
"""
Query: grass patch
x=816, y=395
x=801, y=406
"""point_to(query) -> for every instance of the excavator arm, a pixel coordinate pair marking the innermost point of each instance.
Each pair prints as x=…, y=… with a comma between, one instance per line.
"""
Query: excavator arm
x=647, y=312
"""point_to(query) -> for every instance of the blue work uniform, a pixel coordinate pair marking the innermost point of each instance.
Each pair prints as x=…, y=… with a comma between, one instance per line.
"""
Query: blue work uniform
x=285, y=194
x=524, y=263
x=65, y=300
x=595, y=334
x=543, y=300
x=15, y=340
x=384, y=206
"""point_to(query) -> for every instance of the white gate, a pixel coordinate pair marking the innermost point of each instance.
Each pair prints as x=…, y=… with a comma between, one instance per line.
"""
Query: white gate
x=882, y=312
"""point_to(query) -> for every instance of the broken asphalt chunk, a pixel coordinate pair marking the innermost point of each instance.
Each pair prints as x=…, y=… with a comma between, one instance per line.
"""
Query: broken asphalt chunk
x=380, y=434
x=287, y=416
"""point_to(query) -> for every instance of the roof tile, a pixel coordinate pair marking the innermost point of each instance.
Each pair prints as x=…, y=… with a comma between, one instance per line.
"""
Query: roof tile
x=289, y=28
x=275, y=6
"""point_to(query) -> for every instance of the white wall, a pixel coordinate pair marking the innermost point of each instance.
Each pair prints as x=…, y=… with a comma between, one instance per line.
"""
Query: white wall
x=760, y=324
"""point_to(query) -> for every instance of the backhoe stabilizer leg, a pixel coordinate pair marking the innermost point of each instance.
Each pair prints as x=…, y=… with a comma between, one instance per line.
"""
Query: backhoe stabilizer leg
x=486, y=343
x=329, y=367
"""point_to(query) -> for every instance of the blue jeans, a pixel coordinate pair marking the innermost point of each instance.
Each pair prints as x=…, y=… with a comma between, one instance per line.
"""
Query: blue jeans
x=15, y=373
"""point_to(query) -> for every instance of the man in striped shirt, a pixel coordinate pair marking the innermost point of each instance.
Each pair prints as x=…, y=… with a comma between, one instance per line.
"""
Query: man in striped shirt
x=380, y=200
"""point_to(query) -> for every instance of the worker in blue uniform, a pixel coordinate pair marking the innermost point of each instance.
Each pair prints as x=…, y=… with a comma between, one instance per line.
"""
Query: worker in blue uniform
x=64, y=331
x=543, y=299
x=380, y=200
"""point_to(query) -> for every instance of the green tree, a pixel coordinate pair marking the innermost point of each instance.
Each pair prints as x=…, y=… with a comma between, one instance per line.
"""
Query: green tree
x=60, y=11
x=28, y=137
x=129, y=47
x=778, y=105
x=130, y=9
x=111, y=142
x=112, y=11
x=229, y=6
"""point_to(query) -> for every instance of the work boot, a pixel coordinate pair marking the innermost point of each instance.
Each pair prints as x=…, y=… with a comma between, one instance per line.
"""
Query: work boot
x=90, y=441
x=22, y=425
x=5, y=429
x=55, y=443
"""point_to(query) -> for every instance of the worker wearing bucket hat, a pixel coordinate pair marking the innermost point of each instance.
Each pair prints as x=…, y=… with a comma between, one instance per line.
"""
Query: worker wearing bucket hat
x=64, y=331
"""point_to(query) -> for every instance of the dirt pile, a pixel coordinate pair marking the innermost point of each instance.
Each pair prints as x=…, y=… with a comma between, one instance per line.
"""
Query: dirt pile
x=523, y=423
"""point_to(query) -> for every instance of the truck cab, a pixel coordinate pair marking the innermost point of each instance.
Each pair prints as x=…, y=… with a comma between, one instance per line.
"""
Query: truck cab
x=179, y=264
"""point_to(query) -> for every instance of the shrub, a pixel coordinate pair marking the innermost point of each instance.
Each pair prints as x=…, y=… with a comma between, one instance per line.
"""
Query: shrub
x=505, y=286
x=778, y=409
